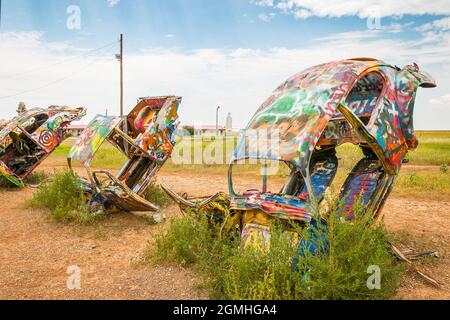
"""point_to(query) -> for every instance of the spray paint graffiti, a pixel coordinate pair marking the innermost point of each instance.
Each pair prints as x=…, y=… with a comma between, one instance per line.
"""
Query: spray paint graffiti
x=145, y=137
x=31, y=137
x=362, y=101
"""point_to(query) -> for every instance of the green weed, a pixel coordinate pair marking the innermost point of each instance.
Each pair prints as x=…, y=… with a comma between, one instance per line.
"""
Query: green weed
x=156, y=195
x=232, y=271
x=63, y=196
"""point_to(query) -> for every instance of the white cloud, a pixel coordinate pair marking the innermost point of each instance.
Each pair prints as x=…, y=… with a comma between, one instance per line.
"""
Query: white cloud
x=303, y=14
x=266, y=17
x=112, y=3
x=263, y=3
x=440, y=25
x=240, y=78
x=443, y=100
x=170, y=35
x=362, y=9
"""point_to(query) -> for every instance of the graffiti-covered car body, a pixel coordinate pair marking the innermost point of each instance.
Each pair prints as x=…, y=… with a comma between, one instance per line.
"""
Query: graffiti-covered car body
x=145, y=137
x=361, y=101
x=31, y=137
x=3, y=123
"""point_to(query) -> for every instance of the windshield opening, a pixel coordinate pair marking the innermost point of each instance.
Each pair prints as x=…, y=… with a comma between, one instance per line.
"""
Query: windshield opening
x=259, y=175
x=365, y=95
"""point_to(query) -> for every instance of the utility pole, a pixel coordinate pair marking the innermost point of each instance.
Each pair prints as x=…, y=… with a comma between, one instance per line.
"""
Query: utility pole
x=119, y=57
x=121, y=75
x=217, y=121
x=125, y=122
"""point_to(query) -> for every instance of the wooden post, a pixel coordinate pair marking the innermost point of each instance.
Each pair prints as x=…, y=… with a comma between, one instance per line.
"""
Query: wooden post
x=125, y=121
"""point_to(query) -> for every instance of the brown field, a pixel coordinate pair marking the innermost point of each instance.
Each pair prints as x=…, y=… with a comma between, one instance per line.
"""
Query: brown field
x=35, y=253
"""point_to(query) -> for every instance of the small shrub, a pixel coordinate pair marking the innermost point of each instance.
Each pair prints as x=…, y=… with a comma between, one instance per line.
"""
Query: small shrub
x=341, y=272
x=282, y=271
x=63, y=196
x=443, y=168
x=187, y=241
x=36, y=178
x=157, y=196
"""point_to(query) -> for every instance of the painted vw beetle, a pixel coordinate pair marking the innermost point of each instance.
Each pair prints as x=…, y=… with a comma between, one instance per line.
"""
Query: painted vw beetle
x=145, y=137
x=362, y=101
x=31, y=137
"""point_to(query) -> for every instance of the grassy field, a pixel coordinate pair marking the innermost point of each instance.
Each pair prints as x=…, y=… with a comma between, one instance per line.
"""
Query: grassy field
x=434, y=150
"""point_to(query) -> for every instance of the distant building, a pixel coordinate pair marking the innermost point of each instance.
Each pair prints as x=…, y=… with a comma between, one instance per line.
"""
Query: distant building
x=206, y=131
x=229, y=123
x=76, y=130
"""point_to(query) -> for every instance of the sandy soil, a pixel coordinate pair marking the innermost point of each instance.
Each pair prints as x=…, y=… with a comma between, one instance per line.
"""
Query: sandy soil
x=35, y=253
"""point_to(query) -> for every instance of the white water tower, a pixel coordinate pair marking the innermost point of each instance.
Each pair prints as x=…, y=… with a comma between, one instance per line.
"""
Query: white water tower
x=229, y=123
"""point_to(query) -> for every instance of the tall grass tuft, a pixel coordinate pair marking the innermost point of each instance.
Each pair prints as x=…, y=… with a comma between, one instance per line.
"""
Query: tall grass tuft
x=36, y=178
x=186, y=241
x=63, y=196
x=281, y=271
x=157, y=196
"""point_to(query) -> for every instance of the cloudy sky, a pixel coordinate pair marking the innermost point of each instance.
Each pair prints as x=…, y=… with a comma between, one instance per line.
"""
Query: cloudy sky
x=231, y=53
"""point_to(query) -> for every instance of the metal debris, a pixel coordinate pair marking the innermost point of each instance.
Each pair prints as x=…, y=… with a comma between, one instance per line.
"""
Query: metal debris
x=400, y=255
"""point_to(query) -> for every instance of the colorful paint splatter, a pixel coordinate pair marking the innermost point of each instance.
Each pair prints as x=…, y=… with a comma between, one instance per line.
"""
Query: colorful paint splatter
x=365, y=102
x=361, y=101
x=92, y=138
x=145, y=137
x=31, y=137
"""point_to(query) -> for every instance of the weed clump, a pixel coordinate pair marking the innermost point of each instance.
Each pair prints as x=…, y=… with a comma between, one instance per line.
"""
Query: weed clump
x=36, y=178
x=283, y=270
x=157, y=196
x=63, y=196
x=186, y=241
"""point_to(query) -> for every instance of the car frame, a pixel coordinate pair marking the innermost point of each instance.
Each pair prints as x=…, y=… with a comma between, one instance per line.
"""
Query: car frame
x=145, y=137
x=363, y=101
x=28, y=139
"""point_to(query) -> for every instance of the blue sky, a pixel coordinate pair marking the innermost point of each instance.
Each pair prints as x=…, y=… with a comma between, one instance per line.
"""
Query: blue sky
x=229, y=52
x=188, y=24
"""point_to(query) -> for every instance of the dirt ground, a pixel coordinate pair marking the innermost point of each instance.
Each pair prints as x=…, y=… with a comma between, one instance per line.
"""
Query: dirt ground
x=36, y=253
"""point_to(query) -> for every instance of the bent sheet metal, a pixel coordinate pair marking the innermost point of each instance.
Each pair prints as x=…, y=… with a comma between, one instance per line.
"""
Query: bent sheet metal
x=362, y=101
x=145, y=137
x=28, y=139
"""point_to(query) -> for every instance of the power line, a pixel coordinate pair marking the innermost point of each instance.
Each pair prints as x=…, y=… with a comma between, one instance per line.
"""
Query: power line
x=51, y=83
x=20, y=74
